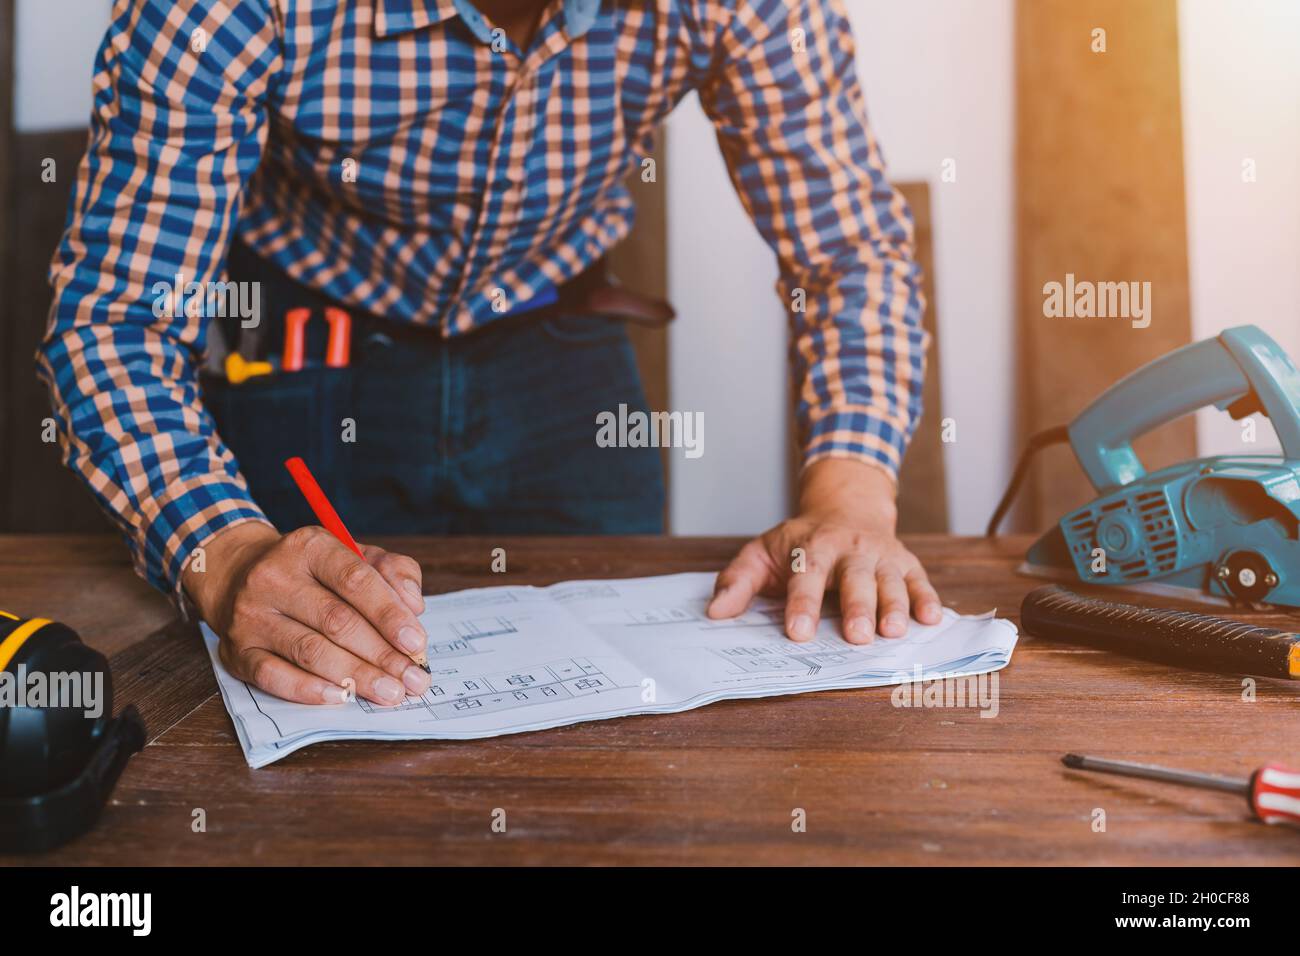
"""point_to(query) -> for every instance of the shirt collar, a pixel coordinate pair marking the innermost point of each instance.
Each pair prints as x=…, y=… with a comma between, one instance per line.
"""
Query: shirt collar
x=401, y=16
x=579, y=15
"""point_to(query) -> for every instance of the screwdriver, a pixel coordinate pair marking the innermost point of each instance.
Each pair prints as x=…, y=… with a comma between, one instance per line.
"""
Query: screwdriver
x=1272, y=791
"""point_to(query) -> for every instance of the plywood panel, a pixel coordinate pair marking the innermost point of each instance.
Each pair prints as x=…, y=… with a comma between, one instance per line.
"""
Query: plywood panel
x=1100, y=197
x=922, y=481
x=640, y=262
x=41, y=494
x=6, y=237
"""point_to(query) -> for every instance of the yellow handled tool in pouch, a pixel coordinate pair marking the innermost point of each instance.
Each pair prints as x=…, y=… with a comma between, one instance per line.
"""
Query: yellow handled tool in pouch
x=239, y=369
x=61, y=749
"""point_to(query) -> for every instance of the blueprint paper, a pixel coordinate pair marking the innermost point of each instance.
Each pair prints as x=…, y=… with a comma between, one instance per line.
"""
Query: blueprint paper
x=511, y=659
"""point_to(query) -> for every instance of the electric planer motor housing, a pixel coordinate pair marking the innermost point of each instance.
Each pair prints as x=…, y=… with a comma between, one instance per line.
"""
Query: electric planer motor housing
x=1226, y=526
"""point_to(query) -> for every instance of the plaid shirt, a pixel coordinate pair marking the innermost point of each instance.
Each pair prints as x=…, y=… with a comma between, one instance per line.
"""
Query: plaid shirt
x=404, y=158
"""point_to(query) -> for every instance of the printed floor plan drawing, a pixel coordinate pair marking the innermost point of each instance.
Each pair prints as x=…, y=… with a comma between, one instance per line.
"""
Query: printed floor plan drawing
x=451, y=699
x=457, y=648
x=509, y=660
x=484, y=627
x=807, y=658
x=582, y=591
x=662, y=615
x=761, y=617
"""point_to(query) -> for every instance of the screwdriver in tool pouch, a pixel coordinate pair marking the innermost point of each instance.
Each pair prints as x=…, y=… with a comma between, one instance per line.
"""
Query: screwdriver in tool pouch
x=1273, y=791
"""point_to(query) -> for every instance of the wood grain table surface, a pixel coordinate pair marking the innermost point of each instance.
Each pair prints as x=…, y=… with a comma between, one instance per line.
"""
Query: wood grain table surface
x=877, y=784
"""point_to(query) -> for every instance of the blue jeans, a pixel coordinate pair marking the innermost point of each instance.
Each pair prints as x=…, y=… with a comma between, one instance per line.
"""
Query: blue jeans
x=493, y=432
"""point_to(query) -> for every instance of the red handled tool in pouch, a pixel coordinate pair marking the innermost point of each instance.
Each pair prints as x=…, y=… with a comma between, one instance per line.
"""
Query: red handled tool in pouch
x=338, y=349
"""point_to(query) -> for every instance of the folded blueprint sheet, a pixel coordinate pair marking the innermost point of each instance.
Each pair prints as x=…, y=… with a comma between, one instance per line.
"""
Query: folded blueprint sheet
x=511, y=659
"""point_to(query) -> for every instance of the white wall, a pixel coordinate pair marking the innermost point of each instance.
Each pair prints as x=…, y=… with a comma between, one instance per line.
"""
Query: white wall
x=726, y=350
x=1241, y=100
x=938, y=76
x=54, y=60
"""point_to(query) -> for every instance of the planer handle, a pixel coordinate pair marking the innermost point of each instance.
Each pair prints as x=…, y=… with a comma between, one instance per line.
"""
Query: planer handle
x=1242, y=363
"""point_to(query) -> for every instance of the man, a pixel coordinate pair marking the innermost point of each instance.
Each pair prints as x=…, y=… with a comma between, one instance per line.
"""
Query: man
x=451, y=173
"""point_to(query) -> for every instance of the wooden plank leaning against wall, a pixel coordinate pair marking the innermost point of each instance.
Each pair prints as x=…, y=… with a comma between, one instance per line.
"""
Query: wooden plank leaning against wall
x=640, y=262
x=6, y=217
x=1100, y=197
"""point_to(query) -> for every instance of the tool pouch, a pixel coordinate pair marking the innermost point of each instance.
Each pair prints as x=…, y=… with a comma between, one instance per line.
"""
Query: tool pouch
x=269, y=418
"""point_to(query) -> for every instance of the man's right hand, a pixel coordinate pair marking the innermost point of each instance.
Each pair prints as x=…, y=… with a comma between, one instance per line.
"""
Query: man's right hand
x=302, y=617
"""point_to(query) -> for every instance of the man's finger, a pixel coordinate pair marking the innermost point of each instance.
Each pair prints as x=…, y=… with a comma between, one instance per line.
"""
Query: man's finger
x=748, y=573
x=926, y=605
x=278, y=677
x=402, y=573
x=858, y=601
x=804, y=591
x=892, y=601
x=326, y=613
x=362, y=587
x=318, y=655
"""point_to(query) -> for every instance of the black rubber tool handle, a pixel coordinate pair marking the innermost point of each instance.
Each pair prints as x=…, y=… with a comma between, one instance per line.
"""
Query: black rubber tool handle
x=1183, y=638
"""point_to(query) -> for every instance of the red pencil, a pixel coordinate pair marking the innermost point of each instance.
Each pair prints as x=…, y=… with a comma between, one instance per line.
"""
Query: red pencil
x=320, y=505
x=329, y=519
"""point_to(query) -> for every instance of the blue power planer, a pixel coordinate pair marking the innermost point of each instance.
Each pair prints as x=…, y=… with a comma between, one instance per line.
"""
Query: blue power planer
x=1223, y=526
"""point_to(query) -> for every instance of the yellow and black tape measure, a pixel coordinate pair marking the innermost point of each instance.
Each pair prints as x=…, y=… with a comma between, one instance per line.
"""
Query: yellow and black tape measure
x=61, y=748
x=14, y=633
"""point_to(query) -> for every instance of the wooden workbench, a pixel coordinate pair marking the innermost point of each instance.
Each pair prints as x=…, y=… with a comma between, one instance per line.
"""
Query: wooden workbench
x=878, y=784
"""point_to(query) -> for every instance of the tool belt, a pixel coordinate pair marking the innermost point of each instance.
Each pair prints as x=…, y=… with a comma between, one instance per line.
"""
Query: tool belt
x=593, y=292
x=288, y=384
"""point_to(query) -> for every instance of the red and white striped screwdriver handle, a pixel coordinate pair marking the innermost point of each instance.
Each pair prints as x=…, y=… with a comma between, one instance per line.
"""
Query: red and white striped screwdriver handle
x=1275, y=794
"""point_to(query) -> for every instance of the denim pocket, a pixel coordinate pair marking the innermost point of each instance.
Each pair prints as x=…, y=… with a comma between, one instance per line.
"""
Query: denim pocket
x=580, y=329
x=270, y=418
